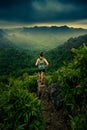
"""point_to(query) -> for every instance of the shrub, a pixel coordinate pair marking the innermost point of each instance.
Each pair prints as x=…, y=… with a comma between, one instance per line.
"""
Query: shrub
x=25, y=81
x=72, y=79
x=78, y=122
x=20, y=110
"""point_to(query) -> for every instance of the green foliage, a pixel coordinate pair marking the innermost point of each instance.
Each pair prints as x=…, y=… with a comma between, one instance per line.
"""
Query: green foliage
x=25, y=81
x=14, y=61
x=72, y=79
x=20, y=109
x=48, y=79
x=78, y=122
x=3, y=83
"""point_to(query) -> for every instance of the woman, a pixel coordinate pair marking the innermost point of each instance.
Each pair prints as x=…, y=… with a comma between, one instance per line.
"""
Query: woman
x=41, y=62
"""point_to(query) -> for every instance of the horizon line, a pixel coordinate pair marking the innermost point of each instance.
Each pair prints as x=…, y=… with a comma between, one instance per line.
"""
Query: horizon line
x=37, y=25
x=70, y=24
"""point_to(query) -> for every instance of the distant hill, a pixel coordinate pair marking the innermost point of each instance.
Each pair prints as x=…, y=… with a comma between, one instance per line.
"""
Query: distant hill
x=4, y=41
x=13, y=61
x=63, y=52
x=54, y=29
x=42, y=38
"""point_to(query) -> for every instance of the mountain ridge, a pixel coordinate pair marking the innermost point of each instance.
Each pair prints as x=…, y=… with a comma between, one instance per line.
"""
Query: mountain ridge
x=63, y=53
x=42, y=38
x=47, y=28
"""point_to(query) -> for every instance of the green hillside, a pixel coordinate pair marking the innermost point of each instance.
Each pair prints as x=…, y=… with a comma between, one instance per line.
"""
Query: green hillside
x=13, y=60
x=62, y=53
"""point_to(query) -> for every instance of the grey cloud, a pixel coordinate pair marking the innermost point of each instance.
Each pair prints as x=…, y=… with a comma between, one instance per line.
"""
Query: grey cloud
x=42, y=10
x=8, y=3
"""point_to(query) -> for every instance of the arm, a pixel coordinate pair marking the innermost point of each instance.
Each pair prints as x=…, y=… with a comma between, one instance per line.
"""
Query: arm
x=46, y=62
x=36, y=62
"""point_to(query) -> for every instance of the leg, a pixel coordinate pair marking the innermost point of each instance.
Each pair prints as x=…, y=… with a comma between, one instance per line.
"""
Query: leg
x=39, y=76
x=42, y=77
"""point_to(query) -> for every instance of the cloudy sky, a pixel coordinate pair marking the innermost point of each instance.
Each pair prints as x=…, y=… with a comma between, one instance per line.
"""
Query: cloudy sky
x=43, y=12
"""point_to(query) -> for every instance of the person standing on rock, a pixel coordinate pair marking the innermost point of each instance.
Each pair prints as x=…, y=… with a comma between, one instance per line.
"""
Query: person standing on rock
x=41, y=62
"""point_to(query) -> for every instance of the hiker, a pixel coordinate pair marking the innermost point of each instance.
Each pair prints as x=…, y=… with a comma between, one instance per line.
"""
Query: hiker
x=41, y=62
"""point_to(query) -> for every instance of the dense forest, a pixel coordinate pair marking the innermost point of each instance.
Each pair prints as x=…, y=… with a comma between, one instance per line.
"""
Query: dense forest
x=63, y=53
x=20, y=108
x=14, y=59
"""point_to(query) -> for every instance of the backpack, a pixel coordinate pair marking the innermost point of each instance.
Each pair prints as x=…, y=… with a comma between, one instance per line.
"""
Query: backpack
x=41, y=64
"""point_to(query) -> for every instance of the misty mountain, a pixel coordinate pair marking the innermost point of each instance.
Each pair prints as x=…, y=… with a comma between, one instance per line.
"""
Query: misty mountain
x=42, y=38
x=13, y=60
x=4, y=41
x=54, y=29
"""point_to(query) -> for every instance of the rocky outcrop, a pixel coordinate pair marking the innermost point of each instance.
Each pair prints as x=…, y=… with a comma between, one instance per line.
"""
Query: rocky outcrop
x=54, y=95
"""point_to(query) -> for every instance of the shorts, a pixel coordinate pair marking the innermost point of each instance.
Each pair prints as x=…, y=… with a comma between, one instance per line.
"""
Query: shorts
x=43, y=70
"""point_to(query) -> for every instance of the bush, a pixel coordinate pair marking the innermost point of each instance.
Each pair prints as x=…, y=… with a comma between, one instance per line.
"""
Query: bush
x=20, y=110
x=72, y=79
x=78, y=122
x=25, y=81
